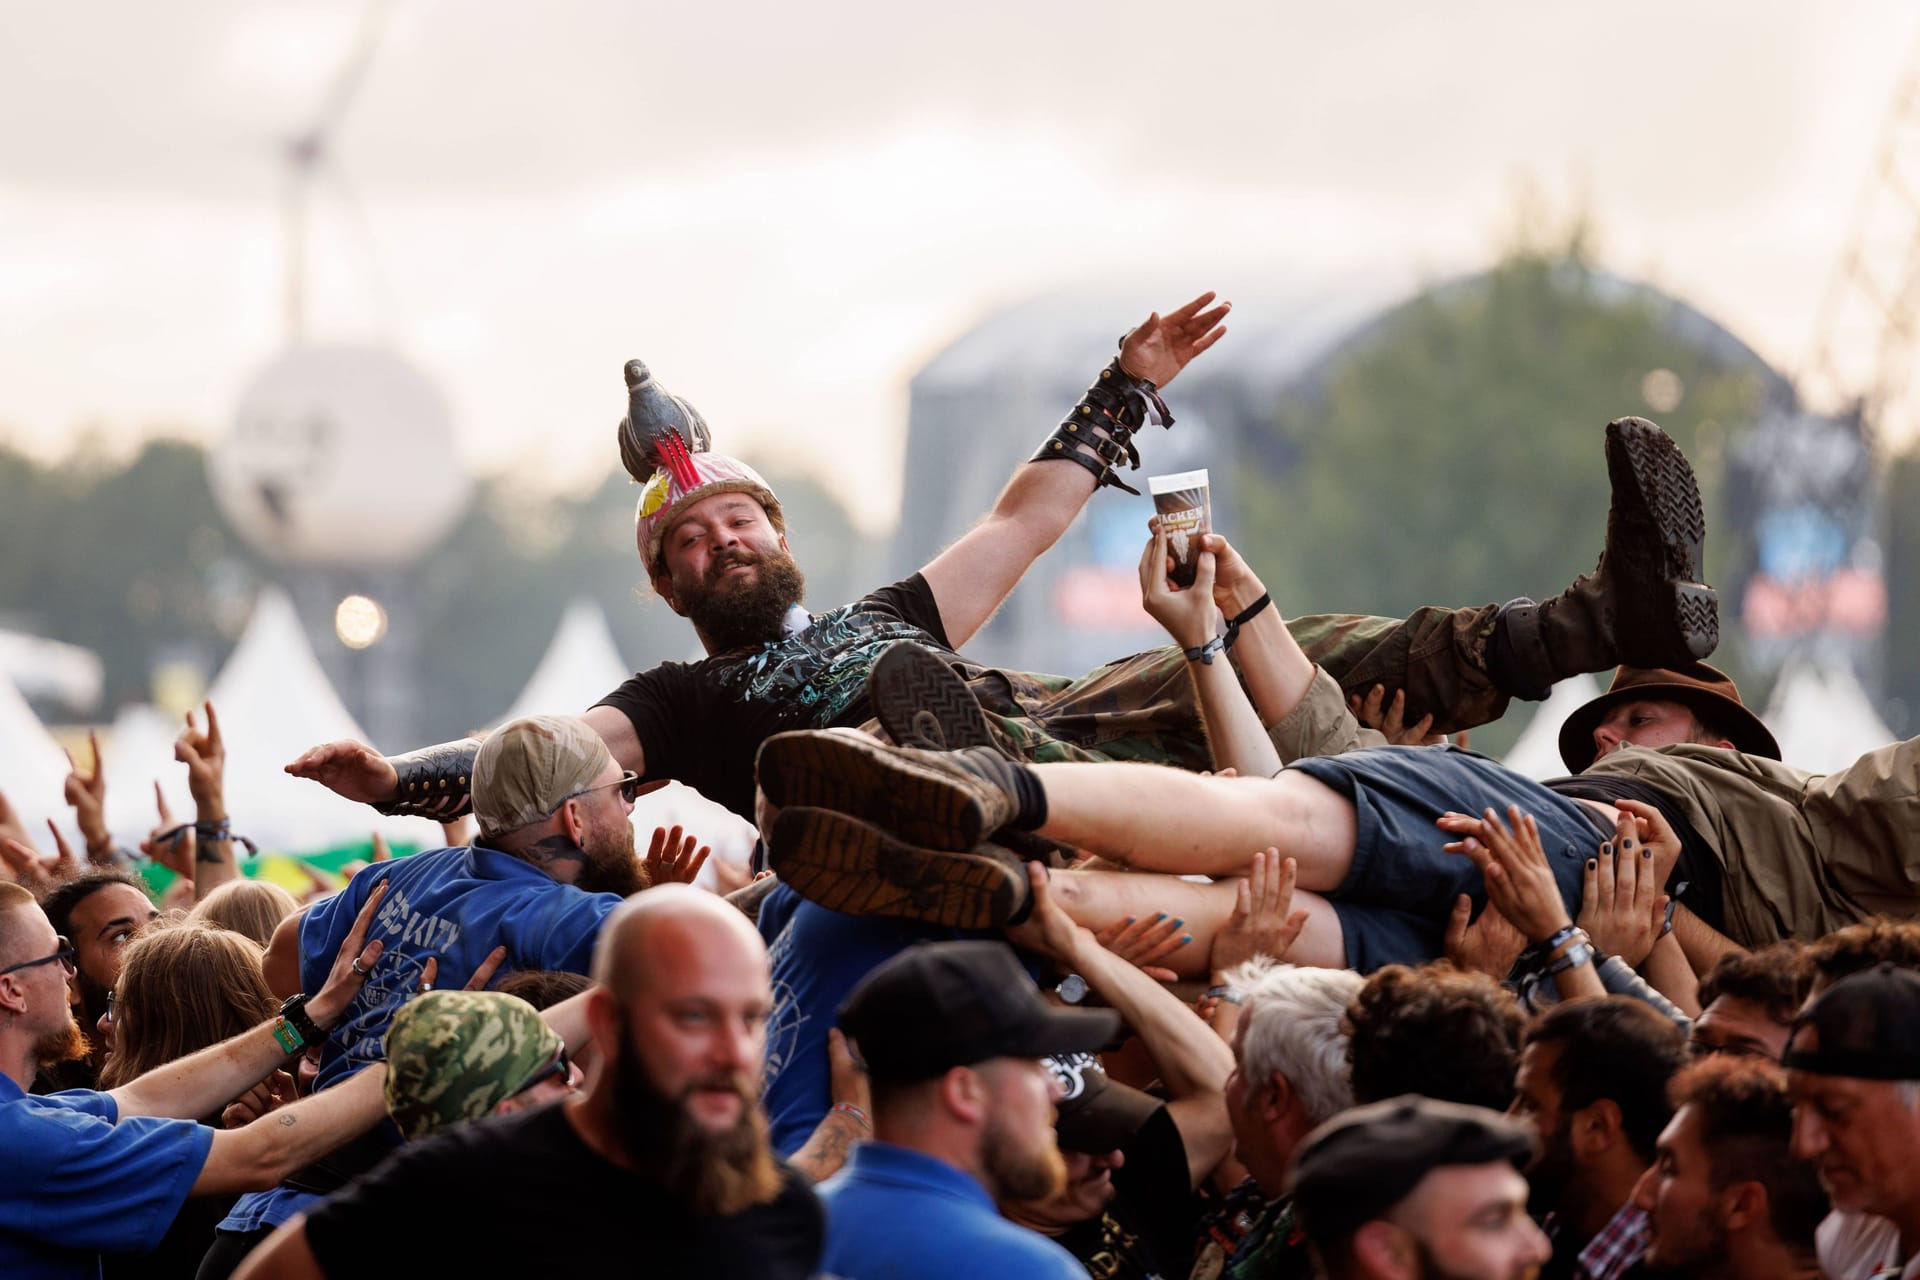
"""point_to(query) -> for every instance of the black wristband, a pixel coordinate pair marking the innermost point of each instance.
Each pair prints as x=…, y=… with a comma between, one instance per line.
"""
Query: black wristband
x=1204, y=653
x=1245, y=616
x=294, y=1010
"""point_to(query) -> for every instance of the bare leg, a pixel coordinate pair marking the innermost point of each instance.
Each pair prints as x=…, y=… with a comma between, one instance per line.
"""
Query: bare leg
x=1097, y=899
x=1152, y=818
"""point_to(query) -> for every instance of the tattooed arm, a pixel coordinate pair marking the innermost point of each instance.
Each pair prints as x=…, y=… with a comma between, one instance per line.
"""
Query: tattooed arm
x=847, y=1123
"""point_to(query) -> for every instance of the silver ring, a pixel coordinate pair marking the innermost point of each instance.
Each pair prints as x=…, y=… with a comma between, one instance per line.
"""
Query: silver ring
x=357, y=969
x=426, y=986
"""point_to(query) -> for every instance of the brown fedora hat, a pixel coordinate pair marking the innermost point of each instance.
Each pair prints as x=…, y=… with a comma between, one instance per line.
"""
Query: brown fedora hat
x=1696, y=686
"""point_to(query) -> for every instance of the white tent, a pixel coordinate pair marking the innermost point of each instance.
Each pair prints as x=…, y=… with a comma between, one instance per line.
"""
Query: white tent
x=33, y=771
x=581, y=666
x=1823, y=719
x=274, y=702
x=139, y=752
x=1537, y=753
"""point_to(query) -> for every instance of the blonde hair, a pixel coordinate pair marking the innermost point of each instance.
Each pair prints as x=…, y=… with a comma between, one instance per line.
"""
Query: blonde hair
x=183, y=987
x=252, y=908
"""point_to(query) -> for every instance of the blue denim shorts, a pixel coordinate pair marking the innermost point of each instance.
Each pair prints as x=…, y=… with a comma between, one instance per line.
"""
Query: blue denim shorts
x=1393, y=905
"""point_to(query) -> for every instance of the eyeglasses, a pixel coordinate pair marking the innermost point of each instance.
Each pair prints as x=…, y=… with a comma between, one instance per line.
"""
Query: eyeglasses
x=64, y=956
x=558, y=1067
x=628, y=782
x=111, y=997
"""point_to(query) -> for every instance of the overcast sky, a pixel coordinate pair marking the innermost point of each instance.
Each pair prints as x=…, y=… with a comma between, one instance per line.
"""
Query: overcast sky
x=785, y=208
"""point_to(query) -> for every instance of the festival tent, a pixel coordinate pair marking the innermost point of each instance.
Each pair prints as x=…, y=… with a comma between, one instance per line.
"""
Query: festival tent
x=1537, y=753
x=274, y=702
x=1823, y=718
x=33, y=771
x=582, y=666
x=139, y=751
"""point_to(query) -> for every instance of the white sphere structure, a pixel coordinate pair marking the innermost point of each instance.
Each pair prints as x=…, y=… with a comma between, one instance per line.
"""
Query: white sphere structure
x=342, y=456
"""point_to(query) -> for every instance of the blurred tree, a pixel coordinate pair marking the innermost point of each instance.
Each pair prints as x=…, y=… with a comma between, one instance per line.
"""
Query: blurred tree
x=136, y=563
x=1452, y=451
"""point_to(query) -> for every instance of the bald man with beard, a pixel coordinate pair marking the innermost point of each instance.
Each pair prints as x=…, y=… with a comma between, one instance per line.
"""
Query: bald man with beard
x=660, y=1166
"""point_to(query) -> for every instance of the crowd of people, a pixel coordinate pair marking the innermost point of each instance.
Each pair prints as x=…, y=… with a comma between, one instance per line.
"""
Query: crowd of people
x=1218, y=961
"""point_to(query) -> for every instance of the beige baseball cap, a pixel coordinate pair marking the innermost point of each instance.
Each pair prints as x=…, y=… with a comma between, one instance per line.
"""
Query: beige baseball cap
x=526, y=768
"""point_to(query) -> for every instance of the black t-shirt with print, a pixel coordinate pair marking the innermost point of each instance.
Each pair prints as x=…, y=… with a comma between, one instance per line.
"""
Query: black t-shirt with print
x=524, y=1195
x=702, y=722
x=1147, y=1231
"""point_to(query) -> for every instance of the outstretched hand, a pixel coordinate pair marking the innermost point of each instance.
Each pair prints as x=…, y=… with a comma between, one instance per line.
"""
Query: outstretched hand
x=87, y=793
x=1519, y=881
x=1263, y=922
x=351, y=964
x=1376, y=712
x=205, y=755
x=351, y=769
x=672, y=857
x=1489, y=945
x=1621, y=906
x=1048, y=930
x=1161, y=346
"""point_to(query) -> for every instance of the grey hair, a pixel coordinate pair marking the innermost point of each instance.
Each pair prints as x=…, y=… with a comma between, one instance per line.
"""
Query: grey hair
x=1293, y=1021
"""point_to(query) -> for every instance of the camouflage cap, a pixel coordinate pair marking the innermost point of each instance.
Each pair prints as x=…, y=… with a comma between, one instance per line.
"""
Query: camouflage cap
x=456, y=1055
x=527, y=767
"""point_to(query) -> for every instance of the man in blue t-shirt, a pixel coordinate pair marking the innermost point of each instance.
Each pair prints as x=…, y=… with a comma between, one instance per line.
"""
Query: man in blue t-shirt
x=554, y=857
x=952, y=1034
x=87, y=1173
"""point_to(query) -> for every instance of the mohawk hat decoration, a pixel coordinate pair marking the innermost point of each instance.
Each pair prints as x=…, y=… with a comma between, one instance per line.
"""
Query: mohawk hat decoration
x=664, y=444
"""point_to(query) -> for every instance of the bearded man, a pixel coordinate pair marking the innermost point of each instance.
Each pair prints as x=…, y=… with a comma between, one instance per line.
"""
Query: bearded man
x=554, y=857
x=660, y=1167
x=953, y=1035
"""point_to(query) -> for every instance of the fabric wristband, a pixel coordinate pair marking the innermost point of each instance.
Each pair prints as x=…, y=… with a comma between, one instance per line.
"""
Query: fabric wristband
x=1204, y=653
x=1245, y=616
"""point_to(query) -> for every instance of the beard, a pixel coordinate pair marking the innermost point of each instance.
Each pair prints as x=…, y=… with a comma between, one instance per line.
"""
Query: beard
x=745, y=615
x=711, y=1172
x=68, y=1044
x=608, y=863
x=1431, y=1267
x=1707, y=1242
x=1022, y=1172
x=1550, y=1174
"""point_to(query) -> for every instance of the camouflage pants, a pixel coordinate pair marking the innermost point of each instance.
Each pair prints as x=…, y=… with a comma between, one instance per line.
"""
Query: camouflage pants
x=1145, y=708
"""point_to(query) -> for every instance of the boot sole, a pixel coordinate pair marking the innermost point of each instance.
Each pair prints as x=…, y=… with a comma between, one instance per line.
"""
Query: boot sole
x=1654, y=548
x=855, y=774
x=922, y=702
x=847, y=865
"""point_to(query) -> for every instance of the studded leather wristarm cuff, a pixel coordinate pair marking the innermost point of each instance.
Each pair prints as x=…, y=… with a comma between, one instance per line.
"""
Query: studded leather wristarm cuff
x=434, y=782
x=1098, y=433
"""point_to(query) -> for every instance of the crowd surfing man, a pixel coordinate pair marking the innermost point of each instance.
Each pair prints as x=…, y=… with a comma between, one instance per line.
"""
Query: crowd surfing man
x=659, y=1167
x=86, y=1173
x=712, y=537
x=1766, y=850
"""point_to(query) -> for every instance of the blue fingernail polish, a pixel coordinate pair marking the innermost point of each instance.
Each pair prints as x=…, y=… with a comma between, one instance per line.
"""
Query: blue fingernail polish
x=1162, y=916
x=1129, y=919
x=1178, y=923
x=1184, y=941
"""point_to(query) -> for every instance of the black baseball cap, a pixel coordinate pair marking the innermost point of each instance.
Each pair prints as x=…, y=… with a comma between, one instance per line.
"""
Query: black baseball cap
x=939, y=1005
x=1364, y=1161
x=1867, y=1025
x=1096, y=1113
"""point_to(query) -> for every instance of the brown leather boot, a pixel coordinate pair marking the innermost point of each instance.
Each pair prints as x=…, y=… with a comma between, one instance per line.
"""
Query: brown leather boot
x=1644, y=604
x=939, y=799
x=848, y=865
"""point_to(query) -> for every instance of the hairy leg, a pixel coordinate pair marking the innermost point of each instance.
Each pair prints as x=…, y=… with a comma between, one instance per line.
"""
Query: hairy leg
x=1152, y=818
x=1097, y=899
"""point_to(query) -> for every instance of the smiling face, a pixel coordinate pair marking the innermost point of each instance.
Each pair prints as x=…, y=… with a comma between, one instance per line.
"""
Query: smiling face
x=1677, y=1192
x=727, y=570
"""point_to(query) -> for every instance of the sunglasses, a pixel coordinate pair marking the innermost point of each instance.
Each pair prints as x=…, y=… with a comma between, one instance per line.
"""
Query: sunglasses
x=64, y=955
x=558, y=1067
x=628, y=782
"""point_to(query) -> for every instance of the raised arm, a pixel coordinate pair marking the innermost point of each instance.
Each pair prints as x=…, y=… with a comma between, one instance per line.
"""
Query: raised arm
x=972, y=577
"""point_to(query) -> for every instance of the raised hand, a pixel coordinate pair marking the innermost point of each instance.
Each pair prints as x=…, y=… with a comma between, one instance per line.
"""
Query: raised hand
x=1375, y=712
x=1188, y=615
x=87, y=794
x=1263, y=922
x=170, y=844
x=1235, y=584
x=348, y=768
x=1621, y=907
x=12, y=828
x=205, y=755
x=671, y=857
x=1519, y=881
x=1489, y=945
x=1162, y=346
x=1048, y=930
x=351, y=965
